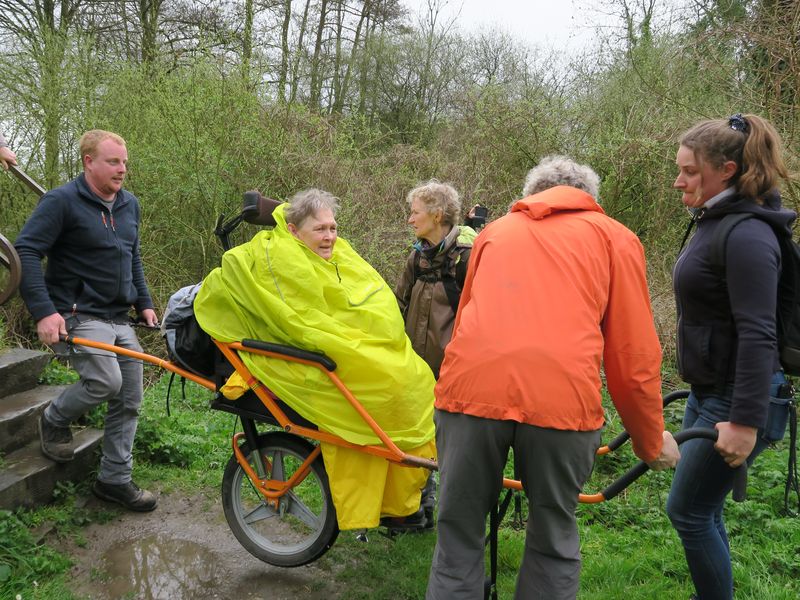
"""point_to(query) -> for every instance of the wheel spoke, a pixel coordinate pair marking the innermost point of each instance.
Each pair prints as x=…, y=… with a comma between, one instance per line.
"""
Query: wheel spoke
x=278, y=468
x=259, y=513
x=299, y=509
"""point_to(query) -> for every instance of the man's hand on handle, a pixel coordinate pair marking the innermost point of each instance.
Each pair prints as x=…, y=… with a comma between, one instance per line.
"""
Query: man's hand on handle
x=149, y=318
x=49, y=328
x=670, y=455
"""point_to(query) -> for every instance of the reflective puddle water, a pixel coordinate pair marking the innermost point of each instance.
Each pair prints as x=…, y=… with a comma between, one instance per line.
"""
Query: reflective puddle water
x=158, y=567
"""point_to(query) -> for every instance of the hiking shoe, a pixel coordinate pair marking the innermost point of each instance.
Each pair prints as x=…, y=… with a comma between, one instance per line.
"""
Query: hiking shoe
x=415, y=522
x=129, y=495
x=56, y=441
x=430, y=520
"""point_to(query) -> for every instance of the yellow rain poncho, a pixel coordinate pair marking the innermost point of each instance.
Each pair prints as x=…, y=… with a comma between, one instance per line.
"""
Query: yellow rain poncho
x=276, y=289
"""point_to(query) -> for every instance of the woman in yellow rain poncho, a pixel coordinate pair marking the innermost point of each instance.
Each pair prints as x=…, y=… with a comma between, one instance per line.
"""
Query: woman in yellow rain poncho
x=297, y=285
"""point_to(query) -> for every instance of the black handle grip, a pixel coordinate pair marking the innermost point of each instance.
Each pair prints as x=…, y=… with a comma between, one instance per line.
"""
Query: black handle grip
x=674, y=395
x=619, y=440
x=640, y=468
x=316, y=357
x=666, y=401
x=740, y=483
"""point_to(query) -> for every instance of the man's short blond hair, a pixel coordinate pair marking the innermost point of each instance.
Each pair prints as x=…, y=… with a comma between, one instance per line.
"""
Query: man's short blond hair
x=92, y=138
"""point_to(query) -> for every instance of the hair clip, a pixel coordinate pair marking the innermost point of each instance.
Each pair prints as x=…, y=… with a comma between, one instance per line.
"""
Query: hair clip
x=738, y=123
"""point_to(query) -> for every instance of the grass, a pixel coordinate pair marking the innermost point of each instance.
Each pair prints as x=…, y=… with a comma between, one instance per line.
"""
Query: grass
x=629, y=548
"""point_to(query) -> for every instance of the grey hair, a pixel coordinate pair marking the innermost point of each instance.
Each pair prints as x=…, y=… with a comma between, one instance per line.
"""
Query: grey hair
x=307, y=203
x=556, y=170
x=436, y=195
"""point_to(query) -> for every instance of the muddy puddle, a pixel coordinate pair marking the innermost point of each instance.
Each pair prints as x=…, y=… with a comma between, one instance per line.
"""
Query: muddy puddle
x=157, y=567
x=182, y=550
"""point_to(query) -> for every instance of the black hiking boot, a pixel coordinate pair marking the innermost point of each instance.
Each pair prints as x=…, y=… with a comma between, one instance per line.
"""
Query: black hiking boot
x=411, y=524
x=129, y=495
x=56, y=442
x=430, y=520
x=428, y=501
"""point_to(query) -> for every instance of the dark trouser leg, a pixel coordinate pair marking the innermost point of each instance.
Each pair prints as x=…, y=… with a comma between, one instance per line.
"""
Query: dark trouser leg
x=554, y=466
x=472, y=454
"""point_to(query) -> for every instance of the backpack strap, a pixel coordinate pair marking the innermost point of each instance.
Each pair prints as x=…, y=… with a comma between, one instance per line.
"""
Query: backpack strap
x=461, y=266
x=720, y=242
x=792, y=483
x=454, y=284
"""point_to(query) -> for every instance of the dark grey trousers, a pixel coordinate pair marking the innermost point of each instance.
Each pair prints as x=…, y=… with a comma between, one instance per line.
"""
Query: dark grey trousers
x=105, y=376
x=553, y=465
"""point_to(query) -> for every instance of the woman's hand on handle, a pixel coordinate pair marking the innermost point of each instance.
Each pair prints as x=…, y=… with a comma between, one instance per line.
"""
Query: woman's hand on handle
x=735, y=442
x=670, y=455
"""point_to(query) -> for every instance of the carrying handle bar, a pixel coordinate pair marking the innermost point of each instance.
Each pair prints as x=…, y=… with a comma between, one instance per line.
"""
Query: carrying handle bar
x=740, y=481
x=27, y=180
x=316, y=357
x=625, y=436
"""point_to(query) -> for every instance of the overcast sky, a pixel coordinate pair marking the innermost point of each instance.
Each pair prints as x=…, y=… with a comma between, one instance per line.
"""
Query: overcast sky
x=561, y=23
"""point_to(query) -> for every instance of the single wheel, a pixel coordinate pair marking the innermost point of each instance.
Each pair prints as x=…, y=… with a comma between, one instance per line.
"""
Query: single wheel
x=10, y=270
x=303, y=527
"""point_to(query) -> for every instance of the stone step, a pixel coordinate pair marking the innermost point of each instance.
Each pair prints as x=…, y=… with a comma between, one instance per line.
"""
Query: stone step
x=20, y=369
x=19, y=416
x=28, y=478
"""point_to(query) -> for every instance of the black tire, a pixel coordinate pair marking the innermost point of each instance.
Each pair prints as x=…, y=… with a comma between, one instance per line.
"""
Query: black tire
x=305, y=525
x=10, y=270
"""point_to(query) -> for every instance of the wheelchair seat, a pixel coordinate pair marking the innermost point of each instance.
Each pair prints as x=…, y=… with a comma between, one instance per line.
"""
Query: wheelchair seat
x=250, y=406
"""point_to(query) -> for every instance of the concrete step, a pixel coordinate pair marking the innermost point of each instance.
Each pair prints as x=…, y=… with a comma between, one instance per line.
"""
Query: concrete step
x=20, y=369
x=19, y=416
x=28, y=478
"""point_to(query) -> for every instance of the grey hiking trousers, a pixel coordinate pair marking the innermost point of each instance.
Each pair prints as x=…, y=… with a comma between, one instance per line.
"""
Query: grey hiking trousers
x=105, y=376
x=553, y=467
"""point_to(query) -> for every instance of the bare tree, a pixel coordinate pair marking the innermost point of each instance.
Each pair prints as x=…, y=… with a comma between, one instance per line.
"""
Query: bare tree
x=39, y=31
x=284, y=66
x=316, y=78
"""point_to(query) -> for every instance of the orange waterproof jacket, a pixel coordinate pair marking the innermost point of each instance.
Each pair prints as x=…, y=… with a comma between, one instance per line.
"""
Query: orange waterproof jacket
x=552, y=290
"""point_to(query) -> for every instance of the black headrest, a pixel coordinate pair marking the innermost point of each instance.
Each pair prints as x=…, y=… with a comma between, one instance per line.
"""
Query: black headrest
x=257, y=210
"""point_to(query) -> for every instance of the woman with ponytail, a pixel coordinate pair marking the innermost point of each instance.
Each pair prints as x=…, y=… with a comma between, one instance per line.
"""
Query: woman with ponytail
x=727, y=332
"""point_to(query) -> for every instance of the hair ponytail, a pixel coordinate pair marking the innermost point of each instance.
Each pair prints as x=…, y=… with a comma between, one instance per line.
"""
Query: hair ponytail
x=762, y=162
x=750, y=141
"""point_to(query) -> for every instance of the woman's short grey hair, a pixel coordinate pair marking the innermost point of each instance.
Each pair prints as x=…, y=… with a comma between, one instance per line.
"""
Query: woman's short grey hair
x=560, y=170
x=435, y=196
x=307, y=203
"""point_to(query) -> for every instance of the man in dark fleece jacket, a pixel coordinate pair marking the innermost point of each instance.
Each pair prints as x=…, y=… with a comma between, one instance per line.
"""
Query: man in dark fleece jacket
x=89, y=231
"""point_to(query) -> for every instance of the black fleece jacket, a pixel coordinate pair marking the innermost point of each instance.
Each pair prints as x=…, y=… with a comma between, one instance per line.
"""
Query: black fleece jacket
x=726, y=326
x=93, y=261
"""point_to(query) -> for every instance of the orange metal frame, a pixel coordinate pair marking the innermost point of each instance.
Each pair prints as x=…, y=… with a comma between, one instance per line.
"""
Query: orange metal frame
x=273, y=490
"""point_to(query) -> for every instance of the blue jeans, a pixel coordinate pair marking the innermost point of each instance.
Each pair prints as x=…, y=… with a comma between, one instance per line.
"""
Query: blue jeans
x=701, y=483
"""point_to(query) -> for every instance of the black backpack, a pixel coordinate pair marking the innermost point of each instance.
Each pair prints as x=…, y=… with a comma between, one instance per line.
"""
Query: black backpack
x=187, y=344
x=787, y=320
x=451, y=276
x=788, y=307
